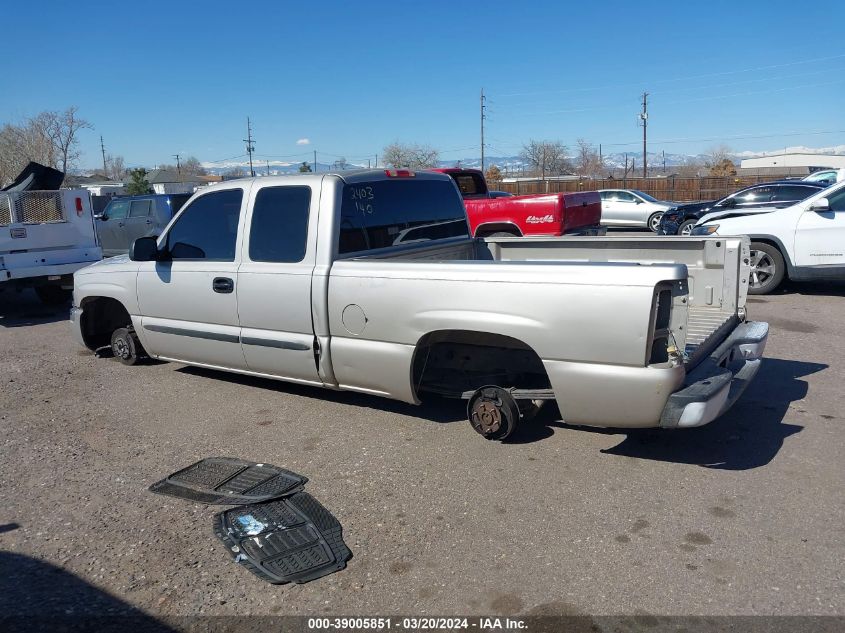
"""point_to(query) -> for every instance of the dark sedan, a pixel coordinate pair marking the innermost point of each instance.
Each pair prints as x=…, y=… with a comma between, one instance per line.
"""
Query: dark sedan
x=782, y=193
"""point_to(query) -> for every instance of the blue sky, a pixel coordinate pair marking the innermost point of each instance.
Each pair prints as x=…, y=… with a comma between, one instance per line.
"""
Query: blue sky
x=157, y=79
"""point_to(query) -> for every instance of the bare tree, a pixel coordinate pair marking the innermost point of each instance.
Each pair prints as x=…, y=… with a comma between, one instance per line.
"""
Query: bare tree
x=49, y=138
x=341, y=164
x=192, y=166
x=546, y=157
x=692, y=166
x=719, y=161
x=115, y=168
x=587, y=160
x=20, y=144
x=234, y=172
x=410, y=155
x=63, y=128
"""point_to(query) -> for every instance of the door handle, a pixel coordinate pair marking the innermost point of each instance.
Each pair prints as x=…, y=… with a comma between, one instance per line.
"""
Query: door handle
x=148, y=222
x=223, y=285
x=120, y=223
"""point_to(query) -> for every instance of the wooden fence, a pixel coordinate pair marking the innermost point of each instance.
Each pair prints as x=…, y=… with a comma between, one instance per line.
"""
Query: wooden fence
x=671, y=188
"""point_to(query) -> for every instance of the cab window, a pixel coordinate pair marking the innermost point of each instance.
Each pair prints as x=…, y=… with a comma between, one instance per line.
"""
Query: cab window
x=279, y=227
x=207, y=228
x=117, y=210
x=140, y=208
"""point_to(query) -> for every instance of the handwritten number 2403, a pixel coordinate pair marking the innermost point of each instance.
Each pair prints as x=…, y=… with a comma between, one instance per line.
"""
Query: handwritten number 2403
x=362, y=197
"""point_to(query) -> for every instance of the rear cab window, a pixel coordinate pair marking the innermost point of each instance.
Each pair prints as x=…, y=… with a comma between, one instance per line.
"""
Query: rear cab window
x=384, y=213
x=279, y=226
x=471, y=185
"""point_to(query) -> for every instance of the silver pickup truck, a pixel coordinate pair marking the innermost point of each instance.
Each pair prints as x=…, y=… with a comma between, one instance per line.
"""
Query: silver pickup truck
x=370, y=281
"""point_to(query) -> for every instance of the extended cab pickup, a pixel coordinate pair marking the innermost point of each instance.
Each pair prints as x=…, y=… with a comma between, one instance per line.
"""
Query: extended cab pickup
x=371, y=282
x=544, y=214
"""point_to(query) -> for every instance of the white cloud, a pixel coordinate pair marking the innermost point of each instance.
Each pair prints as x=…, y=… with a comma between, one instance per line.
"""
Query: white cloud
x=304, y=141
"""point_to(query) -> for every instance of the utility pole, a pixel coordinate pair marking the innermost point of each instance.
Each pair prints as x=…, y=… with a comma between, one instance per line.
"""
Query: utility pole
x=315, y=161
x=103, y=149
x=178, y=166
x=625, y=174
x=482, y=130
x=644, y=119
x=601, y=161
x=268, y=166
x=375, y=164
x=664, y=160
x=250, y=145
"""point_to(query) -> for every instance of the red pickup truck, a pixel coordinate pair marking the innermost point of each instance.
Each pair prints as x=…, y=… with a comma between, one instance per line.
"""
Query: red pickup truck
x=536, y=214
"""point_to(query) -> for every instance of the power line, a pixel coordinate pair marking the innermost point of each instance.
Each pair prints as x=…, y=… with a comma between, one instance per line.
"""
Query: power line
x=677, y=79
x=223, y=160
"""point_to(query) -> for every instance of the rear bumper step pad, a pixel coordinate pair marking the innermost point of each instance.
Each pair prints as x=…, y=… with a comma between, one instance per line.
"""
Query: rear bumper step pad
x=229, y=481
x=294, y=539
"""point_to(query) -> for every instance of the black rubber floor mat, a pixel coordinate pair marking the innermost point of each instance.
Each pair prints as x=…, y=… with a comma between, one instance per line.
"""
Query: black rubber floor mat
x=294, y=539
x=226, y=480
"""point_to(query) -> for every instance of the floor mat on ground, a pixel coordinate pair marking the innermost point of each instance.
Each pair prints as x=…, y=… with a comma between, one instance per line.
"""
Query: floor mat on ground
x=294, y=539
x=226, y=480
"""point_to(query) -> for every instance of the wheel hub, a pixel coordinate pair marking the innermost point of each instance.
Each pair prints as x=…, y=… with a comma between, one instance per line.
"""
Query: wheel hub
x=486, y=417
x=762, y=267
x=120, y=348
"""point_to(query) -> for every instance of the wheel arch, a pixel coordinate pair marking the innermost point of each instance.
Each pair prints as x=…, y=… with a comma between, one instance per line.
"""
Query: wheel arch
x=101, y=315
x=515, y=355
x=778, y=244
x=488, y=228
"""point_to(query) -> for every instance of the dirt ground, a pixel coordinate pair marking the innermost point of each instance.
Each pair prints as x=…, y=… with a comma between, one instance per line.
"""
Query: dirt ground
x=744, y=516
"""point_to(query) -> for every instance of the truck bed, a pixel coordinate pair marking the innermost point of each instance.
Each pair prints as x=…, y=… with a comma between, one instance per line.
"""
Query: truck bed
x=717, y=269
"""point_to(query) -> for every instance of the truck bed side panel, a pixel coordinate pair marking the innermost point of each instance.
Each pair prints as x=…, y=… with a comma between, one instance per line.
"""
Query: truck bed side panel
x=380, y=309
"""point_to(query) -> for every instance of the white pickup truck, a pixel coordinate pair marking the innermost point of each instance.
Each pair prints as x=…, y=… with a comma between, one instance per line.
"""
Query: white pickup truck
x=46, y=236
x=371, y=282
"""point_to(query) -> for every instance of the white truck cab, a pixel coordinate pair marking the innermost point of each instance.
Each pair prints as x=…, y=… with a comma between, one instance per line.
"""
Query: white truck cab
x=803, y=242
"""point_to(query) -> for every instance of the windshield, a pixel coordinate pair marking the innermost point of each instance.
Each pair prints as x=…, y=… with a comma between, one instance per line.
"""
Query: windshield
x=822, y=176
x=645, y=196
x=386, y=213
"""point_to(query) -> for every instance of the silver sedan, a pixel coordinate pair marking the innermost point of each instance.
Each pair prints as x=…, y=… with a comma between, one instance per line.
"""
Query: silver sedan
x=631, y=208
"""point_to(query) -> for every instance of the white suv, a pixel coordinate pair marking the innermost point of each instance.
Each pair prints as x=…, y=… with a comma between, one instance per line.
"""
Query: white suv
x=803, y=242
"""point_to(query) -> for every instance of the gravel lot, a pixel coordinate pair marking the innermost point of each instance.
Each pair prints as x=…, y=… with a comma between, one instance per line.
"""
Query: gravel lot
x=744, y=516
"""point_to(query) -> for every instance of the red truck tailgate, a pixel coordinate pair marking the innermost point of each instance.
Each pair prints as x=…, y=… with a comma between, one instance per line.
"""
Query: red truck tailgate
x=580, y=210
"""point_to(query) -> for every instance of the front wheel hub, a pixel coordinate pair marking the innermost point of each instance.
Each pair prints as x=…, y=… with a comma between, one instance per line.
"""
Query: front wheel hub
x=120, y=348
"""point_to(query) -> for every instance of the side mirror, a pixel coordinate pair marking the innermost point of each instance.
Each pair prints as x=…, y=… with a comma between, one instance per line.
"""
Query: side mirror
x=637, y=201
x=101, y=216
x=820, y=205
x=144, y=249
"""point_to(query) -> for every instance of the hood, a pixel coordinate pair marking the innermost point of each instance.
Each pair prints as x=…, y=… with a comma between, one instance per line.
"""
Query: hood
x=696, y=208
x=734, y=213
x=107, y=264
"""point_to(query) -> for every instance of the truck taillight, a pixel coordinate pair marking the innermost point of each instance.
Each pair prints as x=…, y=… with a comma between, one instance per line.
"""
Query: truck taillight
x=661, y=317
x=79, y=207
x=399, y=173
